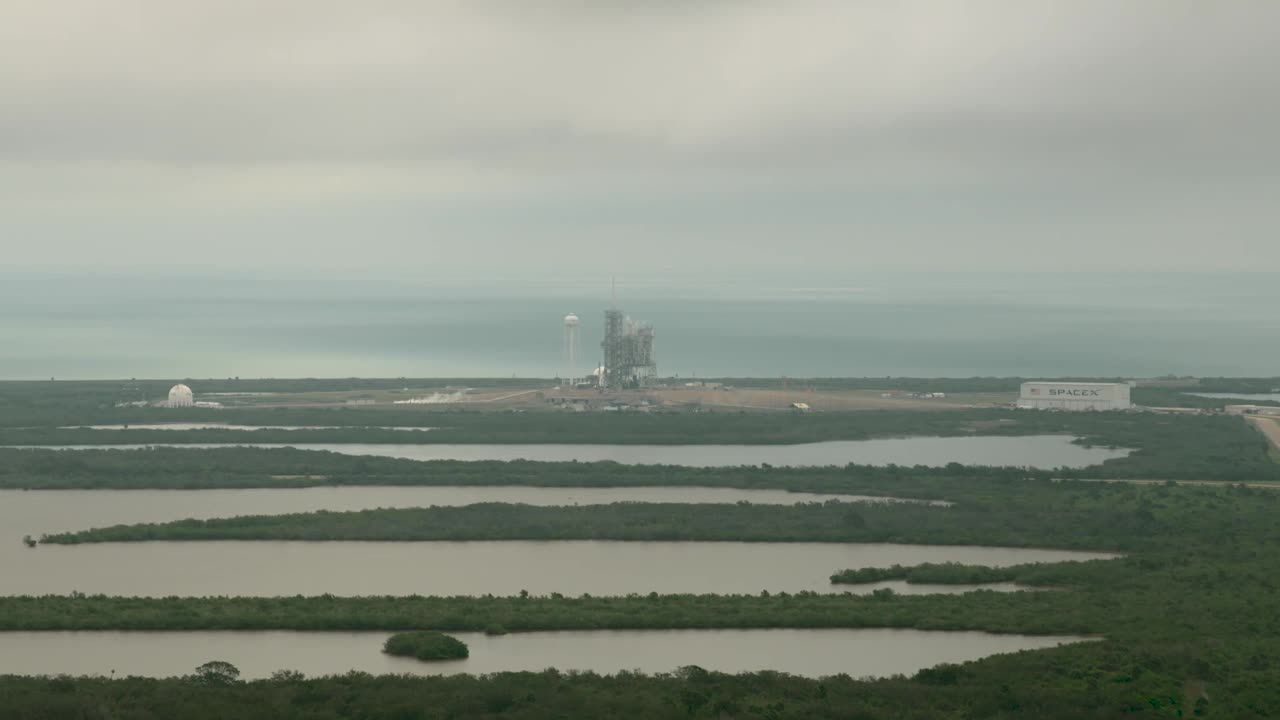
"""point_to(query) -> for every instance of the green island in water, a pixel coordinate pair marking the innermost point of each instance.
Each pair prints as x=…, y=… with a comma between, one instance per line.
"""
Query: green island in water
x=426, y=645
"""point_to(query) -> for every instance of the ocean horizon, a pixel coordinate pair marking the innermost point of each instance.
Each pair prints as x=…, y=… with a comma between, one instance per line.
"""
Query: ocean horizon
x=81, y=325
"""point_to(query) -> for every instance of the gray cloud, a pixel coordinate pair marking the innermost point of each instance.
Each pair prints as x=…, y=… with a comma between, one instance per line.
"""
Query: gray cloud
x=975, y=132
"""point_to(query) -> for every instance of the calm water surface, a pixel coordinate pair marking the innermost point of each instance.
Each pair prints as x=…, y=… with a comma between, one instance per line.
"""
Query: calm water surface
x=273, y=568
x=34, y=512
x=811, y=653
x=907, y=324
x=1038, y=451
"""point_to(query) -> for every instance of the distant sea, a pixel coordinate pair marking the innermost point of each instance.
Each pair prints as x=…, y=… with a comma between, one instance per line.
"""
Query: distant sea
x=127, y=325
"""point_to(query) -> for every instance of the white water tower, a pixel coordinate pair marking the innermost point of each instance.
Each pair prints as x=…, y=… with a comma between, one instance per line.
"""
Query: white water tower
x=572, y=350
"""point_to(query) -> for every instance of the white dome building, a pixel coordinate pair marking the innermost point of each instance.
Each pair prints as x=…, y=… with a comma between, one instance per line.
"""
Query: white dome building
x=181, y=396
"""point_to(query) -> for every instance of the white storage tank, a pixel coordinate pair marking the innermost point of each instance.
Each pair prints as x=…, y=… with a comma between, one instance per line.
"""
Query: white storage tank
x=1074, y=396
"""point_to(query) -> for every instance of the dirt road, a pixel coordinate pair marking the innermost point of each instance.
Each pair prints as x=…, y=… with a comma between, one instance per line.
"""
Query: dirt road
x=1268, y=426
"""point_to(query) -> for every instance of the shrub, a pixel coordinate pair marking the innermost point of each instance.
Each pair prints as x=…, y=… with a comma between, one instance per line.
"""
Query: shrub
x=426, y=645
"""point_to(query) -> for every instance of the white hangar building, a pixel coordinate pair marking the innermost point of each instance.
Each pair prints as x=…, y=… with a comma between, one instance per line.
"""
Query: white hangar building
x=1074, y=396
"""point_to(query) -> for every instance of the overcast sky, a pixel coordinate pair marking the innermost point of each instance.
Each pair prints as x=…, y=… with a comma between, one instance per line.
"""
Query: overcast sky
x=730, y=135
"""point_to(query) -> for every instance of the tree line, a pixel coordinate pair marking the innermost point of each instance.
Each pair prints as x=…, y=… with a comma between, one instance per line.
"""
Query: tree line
x=1010, y=513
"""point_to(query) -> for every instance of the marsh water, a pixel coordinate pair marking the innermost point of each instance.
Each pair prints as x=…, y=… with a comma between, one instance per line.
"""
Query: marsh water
x=811, y=653
x=269, y=568
x=35, y=512
x=275, y=568
x=1038, y=451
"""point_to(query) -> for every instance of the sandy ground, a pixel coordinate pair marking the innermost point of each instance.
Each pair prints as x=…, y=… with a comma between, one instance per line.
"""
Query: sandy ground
x=388, y=398
x=817, y=400
x=1270, y=427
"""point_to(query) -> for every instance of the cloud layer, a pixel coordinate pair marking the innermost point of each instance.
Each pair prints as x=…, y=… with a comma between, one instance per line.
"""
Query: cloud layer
x=974, y=133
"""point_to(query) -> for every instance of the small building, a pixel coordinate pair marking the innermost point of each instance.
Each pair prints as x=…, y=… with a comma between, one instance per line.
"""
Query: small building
x=800, y=407
x=1074, y=396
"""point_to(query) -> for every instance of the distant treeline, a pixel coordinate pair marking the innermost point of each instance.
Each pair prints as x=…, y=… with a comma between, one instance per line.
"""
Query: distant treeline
x=1037, y=613
x=249, y=467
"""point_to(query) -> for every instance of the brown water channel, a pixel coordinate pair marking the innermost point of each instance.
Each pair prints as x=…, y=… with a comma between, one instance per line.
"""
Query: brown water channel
x=1038, y=451
x=273, y=568
x=270, y=568
x=812, y=653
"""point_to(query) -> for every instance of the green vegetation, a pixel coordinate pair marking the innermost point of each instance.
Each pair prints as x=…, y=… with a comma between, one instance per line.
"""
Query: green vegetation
x=1005, y=512
x=1032, y=574
x=426, y=645
x=1038, y=613
x=246, y=467
x=1181, y=397
x=67, y=402
x=832, y=521
x=1180, y=447
x=1186, y=615
x=471, y=426
x=1088, y=680
x=216, y=672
